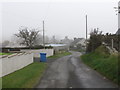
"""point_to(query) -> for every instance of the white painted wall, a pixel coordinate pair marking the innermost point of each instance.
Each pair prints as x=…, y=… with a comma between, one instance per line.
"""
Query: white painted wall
x=18, y=61
x=36, y=52
x=15, y=63
x=0, y=74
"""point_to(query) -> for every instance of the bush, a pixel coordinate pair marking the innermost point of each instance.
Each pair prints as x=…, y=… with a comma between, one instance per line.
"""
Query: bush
x=95, y=40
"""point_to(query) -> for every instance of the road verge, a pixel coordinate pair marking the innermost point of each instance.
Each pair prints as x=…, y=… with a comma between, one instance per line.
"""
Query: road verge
x=104, y=63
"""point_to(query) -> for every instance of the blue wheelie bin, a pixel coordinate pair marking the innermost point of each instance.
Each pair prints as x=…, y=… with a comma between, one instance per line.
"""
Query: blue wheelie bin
x=43, y=57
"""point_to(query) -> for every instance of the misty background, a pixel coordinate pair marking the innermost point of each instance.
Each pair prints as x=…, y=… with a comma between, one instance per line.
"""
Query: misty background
x=61, y=18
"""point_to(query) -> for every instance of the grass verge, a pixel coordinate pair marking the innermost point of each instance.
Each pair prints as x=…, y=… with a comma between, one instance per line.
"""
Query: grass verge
x=104, y=63
x=5, y=53
x=58, y=55
x=27, y=77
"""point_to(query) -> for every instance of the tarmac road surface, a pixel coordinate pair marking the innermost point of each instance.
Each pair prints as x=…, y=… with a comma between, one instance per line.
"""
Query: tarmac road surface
x=70, y=72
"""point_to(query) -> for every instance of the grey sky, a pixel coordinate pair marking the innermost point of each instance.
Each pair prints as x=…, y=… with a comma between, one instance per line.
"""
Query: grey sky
x=61, y=19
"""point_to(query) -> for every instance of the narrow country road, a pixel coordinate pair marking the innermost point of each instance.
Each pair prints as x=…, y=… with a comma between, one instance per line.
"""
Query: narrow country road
x=70, y=72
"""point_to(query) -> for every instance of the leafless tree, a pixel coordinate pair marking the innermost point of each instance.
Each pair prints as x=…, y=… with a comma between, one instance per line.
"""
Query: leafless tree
x=28, y=36
x=96, y=32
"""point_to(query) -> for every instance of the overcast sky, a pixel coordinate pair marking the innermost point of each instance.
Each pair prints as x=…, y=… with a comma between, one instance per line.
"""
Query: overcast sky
x=62, y=18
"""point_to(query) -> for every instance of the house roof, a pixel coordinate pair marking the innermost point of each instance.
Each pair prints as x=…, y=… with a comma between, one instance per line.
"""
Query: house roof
x=76, y=41
x=118, y=32
x=55, y=45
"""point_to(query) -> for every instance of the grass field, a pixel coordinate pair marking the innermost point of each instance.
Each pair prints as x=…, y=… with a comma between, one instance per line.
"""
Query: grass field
x=5, y=53
x=58, y=55
x=104, y=63
x=26, y=77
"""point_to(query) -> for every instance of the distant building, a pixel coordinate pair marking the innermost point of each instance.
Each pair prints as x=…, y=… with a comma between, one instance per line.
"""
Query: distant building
x=55, y=45
x=14, y=45
x=66, y=41
x=118, y=32
x=58, y=47
x=78, y=43
x=53, y=40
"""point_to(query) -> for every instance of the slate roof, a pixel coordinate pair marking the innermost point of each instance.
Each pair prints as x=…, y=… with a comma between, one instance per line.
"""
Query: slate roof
x=118, y=32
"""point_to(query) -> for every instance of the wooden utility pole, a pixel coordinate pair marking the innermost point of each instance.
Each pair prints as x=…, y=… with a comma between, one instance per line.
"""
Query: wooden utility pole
x=86, y=27
x=112, y=43
x=86, y=33
x=43, y=36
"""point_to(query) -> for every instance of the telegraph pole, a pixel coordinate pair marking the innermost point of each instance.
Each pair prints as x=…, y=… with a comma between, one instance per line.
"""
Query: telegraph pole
x=86, y=33
x=112, y=43
x=86, y=27
x=43, y=36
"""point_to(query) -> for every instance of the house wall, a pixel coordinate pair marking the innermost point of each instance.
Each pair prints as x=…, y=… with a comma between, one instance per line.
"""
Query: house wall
x=11, y=64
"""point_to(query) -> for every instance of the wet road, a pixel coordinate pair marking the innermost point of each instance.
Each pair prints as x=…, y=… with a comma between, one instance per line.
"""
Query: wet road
x=70, y=72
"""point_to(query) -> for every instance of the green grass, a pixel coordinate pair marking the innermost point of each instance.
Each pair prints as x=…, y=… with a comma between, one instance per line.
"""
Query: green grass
x=5, y=53
x=61, y=54
x=103, y=62
x=27, y=77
